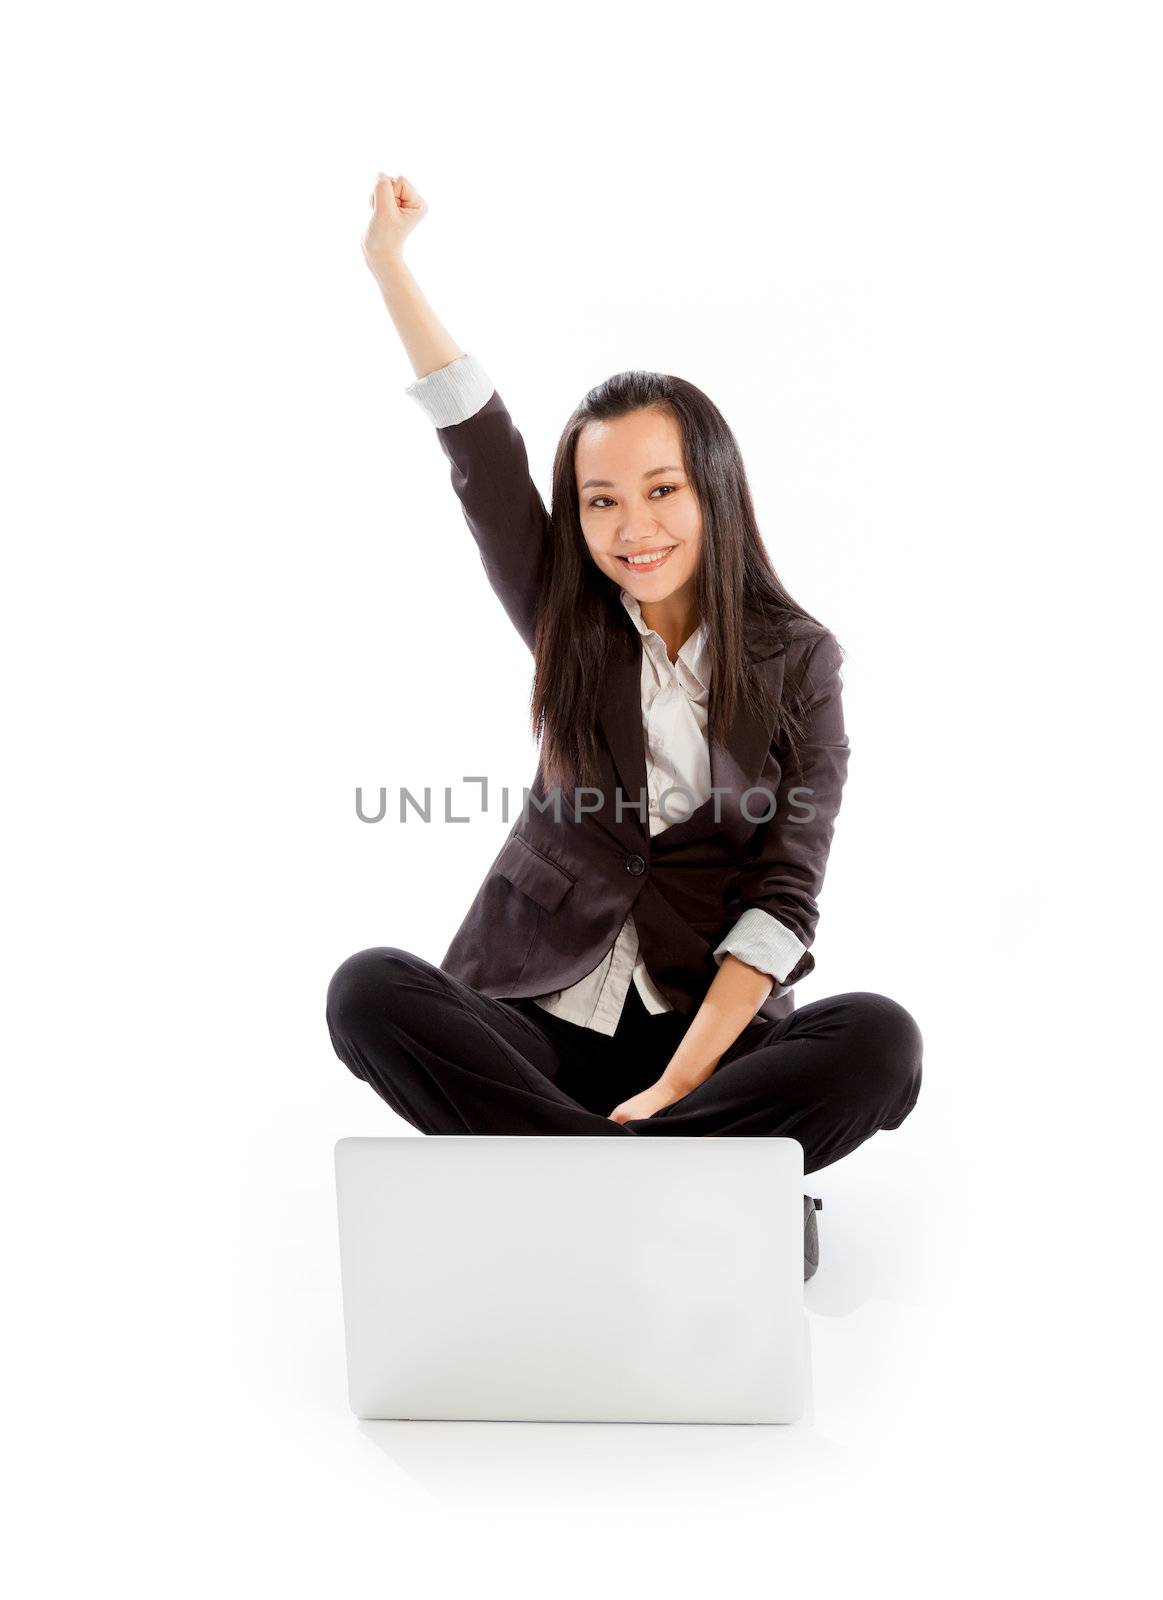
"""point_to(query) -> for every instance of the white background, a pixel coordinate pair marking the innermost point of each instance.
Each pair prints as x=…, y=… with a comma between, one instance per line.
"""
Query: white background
x=913, y=253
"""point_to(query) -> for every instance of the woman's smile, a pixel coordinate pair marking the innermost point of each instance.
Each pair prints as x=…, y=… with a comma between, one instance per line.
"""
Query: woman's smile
x=646, y=560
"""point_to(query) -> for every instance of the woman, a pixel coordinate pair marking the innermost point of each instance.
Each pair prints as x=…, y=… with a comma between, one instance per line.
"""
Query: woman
x=626, y=967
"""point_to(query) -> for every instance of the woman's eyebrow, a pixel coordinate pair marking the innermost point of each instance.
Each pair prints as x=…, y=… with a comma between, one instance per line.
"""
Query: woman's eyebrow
x=604, y=483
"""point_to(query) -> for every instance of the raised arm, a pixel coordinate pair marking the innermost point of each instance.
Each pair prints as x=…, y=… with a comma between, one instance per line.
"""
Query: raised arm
x=489, y=462
x=397, y=207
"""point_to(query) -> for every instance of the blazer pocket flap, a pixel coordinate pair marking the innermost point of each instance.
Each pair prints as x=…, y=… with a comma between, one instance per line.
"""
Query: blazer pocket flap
x=534, y=874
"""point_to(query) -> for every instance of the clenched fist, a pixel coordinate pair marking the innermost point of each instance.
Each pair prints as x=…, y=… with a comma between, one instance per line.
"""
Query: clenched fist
x=397, y=206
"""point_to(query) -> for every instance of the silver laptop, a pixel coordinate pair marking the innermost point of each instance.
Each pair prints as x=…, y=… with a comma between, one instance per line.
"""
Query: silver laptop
x=494, y=1277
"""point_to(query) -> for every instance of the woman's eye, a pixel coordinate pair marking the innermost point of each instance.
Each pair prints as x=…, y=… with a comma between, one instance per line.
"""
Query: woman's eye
x=598, y=498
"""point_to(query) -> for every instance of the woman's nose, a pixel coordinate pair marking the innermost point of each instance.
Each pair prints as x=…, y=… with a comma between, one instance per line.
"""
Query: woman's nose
x=639, y=530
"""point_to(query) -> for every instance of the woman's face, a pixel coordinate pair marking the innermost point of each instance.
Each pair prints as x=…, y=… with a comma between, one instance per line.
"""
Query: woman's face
x=635, y=500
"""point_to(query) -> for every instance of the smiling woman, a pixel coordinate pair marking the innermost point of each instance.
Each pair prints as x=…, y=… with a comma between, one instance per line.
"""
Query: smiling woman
x=650, y=498
x=622, y=970
x=648, y=525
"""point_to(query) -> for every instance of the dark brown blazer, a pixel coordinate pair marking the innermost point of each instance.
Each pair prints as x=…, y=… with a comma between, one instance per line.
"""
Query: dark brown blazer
x=558, y=892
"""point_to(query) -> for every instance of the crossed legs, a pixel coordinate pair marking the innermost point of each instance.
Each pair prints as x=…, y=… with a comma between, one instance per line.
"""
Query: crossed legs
x=451, y=1060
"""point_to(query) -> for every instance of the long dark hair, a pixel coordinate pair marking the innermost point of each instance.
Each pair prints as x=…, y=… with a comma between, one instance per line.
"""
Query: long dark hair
x=736, y=586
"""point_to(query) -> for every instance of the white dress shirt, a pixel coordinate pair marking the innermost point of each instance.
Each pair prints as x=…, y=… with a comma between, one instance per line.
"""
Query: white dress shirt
x=675, y=697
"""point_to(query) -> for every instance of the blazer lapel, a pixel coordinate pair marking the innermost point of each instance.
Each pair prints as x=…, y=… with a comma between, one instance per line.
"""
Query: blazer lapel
x=620, y=714
x=735, y=762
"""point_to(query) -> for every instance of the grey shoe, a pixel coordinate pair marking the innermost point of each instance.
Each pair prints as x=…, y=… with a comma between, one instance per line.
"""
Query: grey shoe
x=811, y=1236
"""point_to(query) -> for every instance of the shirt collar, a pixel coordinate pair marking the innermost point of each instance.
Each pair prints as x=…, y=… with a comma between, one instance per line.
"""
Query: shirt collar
x=693, y=654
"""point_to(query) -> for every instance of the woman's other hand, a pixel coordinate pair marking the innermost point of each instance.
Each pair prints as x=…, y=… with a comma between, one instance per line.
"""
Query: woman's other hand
x=645, y=1103
x=397, y=206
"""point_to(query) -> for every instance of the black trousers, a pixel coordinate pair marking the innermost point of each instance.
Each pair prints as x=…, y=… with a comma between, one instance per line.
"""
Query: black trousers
x=451, y=1060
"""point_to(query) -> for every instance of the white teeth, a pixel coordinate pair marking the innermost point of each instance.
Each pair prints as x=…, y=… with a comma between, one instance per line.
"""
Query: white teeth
x=647, y=561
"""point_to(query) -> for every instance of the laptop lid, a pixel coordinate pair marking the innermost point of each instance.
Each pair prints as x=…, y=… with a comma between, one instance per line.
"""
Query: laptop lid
x=546, y=1278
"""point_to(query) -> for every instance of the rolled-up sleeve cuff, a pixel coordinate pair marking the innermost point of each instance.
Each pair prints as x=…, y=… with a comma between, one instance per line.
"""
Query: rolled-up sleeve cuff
x=452, y=393
x=759, y=940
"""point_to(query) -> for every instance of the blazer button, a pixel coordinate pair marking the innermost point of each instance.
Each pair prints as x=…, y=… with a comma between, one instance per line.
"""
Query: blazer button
x=635, y=864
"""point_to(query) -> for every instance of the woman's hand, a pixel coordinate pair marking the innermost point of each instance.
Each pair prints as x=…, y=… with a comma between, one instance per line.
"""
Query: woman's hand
x=397, y=206
x=646, y=1103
